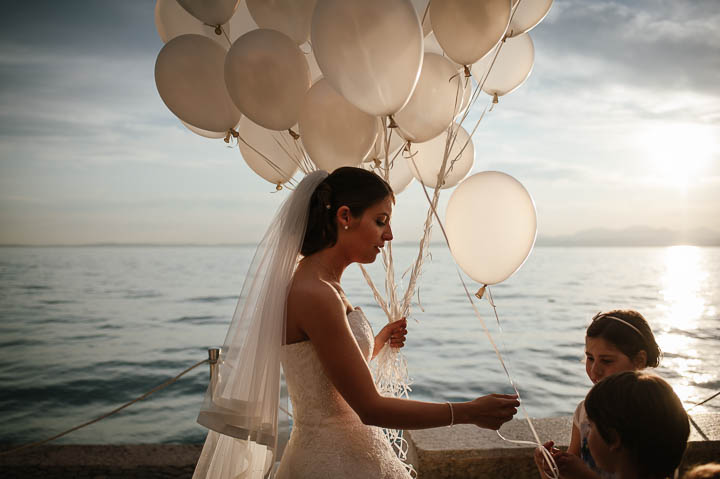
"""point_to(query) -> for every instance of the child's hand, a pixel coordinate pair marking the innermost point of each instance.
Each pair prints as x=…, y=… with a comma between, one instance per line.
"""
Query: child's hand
x=539, y=457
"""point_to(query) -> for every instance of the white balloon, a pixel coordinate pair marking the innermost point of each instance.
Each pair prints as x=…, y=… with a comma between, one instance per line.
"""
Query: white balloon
x=335, y=133
x=436, y=100
x=189, y=78
x=491, y=226
x=511, y=68
x=528, y=13
x=399, y=175
x=468, y=29
x=369, y=50
x=273, y=155
x=291, y=17
x=378, y=150
x=205, y=133
x=215, y=12
x=267, y=75
x=241, y=22
x=427, y=159
x=171, y=20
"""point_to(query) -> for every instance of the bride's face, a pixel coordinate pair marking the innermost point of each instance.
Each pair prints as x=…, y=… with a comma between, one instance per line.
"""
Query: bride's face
x=368, y=233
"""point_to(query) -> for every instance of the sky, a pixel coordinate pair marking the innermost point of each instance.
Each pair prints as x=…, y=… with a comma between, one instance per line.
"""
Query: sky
x=617, y=126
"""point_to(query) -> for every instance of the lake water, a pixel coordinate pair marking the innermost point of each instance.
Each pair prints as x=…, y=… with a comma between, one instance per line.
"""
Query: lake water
x=85, y=329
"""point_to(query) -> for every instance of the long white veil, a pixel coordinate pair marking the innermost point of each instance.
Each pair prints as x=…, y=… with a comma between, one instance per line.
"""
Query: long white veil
x=241, y=407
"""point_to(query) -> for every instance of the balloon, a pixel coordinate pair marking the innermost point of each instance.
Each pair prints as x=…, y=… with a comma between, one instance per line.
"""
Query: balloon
x=378, y=150
x=423, y=13
x=315, y=73
x=369, y=50
x=189, y=78
x=399, y=175
x=434, y=103
x=334, y=132
x=267, y=75
x=528, y=13
x=241, y=22
x=215, y=12
x=491, y=226
x=171, y=20
x=428, y=157
x=271, y=154
x=205, y=133
x=511, y=68
x=468, y=29
x=291, y=17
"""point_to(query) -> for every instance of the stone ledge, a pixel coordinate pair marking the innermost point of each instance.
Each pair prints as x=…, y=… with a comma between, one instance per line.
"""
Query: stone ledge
x=466, y=451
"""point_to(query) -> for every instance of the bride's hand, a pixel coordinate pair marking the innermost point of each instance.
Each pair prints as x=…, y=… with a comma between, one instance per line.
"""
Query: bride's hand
x=392, y=332
x=492, y=411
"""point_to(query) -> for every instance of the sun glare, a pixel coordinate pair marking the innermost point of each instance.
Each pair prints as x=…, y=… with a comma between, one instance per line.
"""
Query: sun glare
x=677, y=154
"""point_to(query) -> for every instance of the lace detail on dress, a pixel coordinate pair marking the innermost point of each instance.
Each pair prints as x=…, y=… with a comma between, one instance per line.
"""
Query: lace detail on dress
x=328, y=440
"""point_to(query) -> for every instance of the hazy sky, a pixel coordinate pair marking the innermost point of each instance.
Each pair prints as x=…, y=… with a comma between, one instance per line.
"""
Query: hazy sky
x=618, y=125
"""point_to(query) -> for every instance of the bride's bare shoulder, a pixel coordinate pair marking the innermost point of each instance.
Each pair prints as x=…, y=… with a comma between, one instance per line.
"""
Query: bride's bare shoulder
x=310, y=294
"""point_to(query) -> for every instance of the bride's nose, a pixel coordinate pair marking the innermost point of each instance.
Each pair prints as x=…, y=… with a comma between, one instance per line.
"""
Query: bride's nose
x=387, y=234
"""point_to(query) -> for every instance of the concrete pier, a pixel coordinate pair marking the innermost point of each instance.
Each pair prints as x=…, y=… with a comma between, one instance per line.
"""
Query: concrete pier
x=461, y=451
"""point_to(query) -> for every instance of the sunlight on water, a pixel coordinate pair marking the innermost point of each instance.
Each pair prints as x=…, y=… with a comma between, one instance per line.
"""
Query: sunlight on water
x=682, y=307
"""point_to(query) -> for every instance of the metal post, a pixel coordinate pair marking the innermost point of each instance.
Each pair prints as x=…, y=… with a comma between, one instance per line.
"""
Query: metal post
x=213, y=357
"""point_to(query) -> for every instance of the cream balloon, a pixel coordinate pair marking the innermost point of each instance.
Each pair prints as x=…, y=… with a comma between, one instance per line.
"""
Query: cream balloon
x=315, y=73
x=189, y=78
x=468, y=29
x=267, y=75
x=335, y=133
x=427, y=158
x=369, y=50
x=241, y=22
x=204, y=133
x=291, y=17
x=436, y=100
x=511, y=68
x=215, y=12
x=378, y=150
x=491, y=226
x=273, y=155
x=528, y=13
x=171, y=20
x=399, y=175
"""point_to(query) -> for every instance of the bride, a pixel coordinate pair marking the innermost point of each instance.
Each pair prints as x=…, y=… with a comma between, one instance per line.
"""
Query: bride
x=295, y=314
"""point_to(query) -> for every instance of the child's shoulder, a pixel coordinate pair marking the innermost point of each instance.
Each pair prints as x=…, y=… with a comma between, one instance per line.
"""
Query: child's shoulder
x=579, y=416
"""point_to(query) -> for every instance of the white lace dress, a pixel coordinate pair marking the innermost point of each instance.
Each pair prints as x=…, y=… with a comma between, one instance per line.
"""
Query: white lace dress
x=328, y=440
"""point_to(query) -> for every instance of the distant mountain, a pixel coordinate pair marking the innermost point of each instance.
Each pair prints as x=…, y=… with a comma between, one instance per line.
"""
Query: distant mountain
x=634, y=236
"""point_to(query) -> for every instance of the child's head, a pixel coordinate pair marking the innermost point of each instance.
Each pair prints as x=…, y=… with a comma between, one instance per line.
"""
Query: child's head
x=706, y=471
x=619, y=340
x=636, y=419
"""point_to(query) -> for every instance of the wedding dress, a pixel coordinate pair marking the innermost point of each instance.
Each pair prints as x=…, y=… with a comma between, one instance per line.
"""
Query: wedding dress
x=328, y=440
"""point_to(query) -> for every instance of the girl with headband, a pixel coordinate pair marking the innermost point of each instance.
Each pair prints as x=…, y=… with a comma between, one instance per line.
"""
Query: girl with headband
x=616, y=341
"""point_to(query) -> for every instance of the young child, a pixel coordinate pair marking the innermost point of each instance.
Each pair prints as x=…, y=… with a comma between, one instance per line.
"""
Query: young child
x=616, y=341
x=638, y=426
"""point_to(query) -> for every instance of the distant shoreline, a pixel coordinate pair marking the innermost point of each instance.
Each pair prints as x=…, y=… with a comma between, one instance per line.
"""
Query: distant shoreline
x=541, y=243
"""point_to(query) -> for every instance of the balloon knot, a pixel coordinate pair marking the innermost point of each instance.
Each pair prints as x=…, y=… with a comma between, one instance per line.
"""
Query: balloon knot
x=218, y=30
x=481, y=292
x=377, y=162
x=234, y=133
x=293, y=134
x=392, y=122
x=507, y=35
x=467, y=71
x=278, y=187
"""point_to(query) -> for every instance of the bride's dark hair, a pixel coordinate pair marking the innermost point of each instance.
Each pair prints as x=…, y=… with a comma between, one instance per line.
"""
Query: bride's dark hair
x=355, y=188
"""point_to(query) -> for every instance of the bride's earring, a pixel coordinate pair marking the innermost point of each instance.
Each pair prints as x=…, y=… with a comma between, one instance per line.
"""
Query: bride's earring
x=345, y=227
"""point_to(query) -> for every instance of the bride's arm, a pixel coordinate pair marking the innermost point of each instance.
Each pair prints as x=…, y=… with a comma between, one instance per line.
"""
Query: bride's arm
x=324, y=322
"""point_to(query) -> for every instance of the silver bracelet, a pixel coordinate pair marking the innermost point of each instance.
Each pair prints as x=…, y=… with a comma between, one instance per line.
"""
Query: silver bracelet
x=452, y=413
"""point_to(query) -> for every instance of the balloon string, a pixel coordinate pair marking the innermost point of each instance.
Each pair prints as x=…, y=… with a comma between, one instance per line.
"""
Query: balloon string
x=546, y=455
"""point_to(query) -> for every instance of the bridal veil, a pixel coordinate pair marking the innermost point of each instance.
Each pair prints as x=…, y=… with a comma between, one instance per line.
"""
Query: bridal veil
x=243, y=407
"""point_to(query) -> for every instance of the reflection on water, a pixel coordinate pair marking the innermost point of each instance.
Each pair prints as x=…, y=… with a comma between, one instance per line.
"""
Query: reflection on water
x=683, y=314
